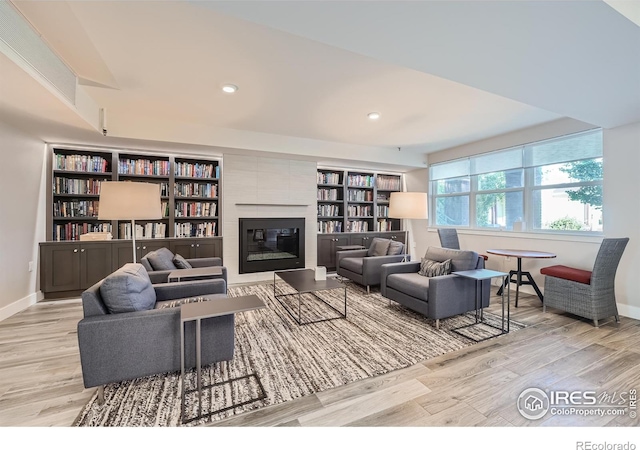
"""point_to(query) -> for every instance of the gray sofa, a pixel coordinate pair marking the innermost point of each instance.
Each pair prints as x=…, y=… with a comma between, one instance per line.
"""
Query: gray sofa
x=160, y=263
x=365, y=266
x=117, y=346
x=436, y=297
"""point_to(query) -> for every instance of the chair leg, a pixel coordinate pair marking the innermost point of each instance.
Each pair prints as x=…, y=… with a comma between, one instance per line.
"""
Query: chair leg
x=368, y=289
x=101, y=395
x=544, y=308
x=617, y=318
x=437, y=324
x=595, y=322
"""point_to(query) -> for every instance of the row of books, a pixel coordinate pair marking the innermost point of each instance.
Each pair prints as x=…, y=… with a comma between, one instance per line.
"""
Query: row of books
x=357, y=195
x=360, y=180
x=143, y=167
x=72, y=231
x=62, y=185
x=329, y=226
x=204, y=229
x=329, y=178
x=360, y=211
x=329, y=210
x=328, y=194
x=383, y=196
x=75, y=208
x=385, y=225
x=389, y=183
x=382, y=211
x=357, y=226
x=197, y=170
x=147, y=231
x=205, y=190
x=80, y=163
x=196, y=209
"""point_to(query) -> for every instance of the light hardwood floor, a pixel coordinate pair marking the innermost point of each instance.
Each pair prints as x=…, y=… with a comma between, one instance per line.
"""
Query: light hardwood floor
x=41, y=379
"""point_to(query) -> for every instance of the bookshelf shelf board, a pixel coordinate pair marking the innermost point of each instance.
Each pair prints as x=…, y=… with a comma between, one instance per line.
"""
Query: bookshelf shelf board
x=330, y=217
x=183, y=178
x=330, y=185
x=81, y=173
x=360, y=217
x=202, y=218
x=359, y=187
x=152, y=177
x=359, y=201
x=78, y=218
x=177, y=197
x=77, y=195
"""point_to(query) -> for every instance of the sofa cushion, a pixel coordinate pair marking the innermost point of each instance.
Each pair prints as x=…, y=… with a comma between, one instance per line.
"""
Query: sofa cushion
x=568, y=273
x=378, y=247
x=352, y=264
x=181, y=263
x=395, y=248
x=430, y=268
x=410, y=284
x=460, y=259
x=128, y=289
x=180, y=302
x=161, y=259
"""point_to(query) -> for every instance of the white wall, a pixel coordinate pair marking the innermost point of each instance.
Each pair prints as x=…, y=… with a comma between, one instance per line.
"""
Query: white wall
x=273, y=187
x=621, y=212
x=21, y=218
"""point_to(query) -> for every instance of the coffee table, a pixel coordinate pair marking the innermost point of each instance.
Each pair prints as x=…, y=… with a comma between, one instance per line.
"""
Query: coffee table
x=204, y=310
x=196, y=273
x=303, y=282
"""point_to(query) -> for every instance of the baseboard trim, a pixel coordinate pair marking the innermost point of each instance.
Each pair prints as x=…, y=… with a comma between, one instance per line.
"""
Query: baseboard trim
x=632, y=312
x=20, y=305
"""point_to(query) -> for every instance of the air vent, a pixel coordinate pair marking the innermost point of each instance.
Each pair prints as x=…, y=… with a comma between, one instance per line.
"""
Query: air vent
x=25, y=43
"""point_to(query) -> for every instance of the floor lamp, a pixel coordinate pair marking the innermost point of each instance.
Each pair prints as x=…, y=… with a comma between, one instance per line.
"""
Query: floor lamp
x=127, y=200
x=408, y=205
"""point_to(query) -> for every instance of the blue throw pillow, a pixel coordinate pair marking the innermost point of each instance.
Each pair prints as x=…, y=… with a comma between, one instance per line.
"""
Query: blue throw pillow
x=161, y=259
x=128, y=289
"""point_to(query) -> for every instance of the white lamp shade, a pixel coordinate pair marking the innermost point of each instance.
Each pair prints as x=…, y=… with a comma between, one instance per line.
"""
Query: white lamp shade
x=127, y=200
x=408, y=205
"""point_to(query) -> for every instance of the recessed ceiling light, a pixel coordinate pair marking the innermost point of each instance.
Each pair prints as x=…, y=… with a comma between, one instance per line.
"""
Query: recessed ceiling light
x=229, y=88
x=373, y=115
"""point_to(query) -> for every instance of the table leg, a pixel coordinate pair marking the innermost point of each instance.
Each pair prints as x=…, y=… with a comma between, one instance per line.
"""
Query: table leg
x=518, y=279
x=182, y=369
x=198, y=368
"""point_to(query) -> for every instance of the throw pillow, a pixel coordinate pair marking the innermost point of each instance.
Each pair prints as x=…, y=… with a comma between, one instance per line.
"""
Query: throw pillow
x=430, y=268
x=395, y=248
x=378, y=247
x=181, y=301
x=128, y=289
x=161, y=259
x=181, y=263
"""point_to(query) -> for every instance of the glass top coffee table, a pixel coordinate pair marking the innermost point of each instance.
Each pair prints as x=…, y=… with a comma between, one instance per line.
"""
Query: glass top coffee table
x=303, y=282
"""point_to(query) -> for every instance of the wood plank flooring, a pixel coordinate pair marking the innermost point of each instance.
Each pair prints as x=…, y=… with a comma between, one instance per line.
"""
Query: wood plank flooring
x=41, y=378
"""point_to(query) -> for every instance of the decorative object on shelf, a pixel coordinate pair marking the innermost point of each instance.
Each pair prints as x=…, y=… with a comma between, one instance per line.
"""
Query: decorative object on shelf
x=408, y=205
x=130, y=201
x=96, y=236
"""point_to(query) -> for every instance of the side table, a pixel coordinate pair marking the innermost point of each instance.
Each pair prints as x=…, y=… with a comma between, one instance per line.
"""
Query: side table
x=479, y=275
x=204, y=310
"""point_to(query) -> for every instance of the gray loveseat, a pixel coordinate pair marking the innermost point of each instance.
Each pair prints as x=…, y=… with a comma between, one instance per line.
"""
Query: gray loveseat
x=436, y=297
x=365, y=266
x=160, y=263
x=117, y=346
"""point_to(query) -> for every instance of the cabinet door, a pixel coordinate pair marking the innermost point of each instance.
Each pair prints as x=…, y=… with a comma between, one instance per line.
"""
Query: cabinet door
x=148, y=245
x=360, y=239
x=208, y=248
x=122, y=253
x=95, y=263
x=60, y=269
x=327, y=249
x=185, y=248
x=399, y=236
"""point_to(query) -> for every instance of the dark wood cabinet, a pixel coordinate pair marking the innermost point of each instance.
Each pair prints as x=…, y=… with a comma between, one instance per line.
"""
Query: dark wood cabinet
x=68, y=268
x=327, y=244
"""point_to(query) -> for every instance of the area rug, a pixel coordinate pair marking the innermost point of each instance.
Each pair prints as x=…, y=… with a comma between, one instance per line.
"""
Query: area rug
x=290, y=361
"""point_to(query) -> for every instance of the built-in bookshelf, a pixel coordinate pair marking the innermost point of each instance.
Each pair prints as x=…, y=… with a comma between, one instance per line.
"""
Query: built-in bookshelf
x=189, y=189
x=355, y=201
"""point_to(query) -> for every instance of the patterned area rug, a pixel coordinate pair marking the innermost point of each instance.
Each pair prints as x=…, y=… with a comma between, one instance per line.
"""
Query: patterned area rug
x=290, y=361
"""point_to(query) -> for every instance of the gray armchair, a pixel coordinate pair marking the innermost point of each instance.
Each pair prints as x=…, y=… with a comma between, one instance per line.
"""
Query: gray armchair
x=435, y=297
x=365, y=266
x=588, y=294
x=125, y=345
x=160, y=263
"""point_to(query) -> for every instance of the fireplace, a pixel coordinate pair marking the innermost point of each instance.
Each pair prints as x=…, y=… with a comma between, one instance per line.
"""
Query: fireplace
x=271, y=244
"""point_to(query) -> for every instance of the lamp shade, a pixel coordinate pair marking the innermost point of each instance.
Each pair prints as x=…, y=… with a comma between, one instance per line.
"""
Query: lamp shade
x=127, y=200
x=408, y=205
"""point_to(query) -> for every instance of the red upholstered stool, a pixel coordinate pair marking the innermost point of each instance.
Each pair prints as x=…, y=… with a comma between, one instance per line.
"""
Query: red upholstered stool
x=568, y=273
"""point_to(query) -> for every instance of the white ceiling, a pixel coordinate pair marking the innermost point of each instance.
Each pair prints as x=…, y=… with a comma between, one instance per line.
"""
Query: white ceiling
x=440, y=73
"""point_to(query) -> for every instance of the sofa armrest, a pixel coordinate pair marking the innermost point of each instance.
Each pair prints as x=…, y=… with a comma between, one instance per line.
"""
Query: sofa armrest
x=205, y=262
x=450, y=295
x=350, y=254
x=182, y=289
x=398, y=267
x=372, y=267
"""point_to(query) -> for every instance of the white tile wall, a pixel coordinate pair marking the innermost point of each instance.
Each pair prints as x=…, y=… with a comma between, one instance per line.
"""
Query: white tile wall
x=276, y=188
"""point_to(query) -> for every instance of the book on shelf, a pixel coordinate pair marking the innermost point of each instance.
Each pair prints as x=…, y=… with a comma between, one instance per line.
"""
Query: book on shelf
x=357, y=226
x=388, y=182
x=196, y=209
x=194, y=189
x=188, y=229
x=329, y=226
x=385, y=225
x=359, y=195
x=328, y=178
x=359, y=211
x=80, y=163
x=360, y=180
x=63, y=185
x=75, y=208
x=72, y=231
x=329, y=210
x=143, y=231
x=196, y=170
x=131, y=166
x=327, y=194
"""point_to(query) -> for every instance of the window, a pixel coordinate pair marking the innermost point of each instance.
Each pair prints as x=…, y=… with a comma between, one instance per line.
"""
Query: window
x=551, y=185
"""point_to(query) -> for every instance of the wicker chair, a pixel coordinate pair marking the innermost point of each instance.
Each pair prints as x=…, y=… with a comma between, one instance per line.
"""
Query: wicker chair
x=588, y=294
x=449, y=239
